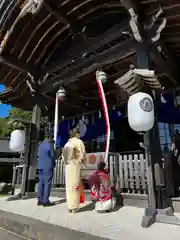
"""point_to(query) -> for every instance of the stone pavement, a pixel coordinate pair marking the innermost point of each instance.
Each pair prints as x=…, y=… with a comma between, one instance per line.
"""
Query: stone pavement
x=123, y=224
x=5, y=235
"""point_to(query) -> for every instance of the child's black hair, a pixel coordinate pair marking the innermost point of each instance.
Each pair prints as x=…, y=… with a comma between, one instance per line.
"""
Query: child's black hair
x=101, y=166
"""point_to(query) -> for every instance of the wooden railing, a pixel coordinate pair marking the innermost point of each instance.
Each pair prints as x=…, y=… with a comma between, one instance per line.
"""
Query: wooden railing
x=59, y=174
x=128, y=173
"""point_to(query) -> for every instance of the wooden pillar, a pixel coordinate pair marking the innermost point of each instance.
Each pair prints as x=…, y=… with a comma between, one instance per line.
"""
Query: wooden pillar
x=159, y=207
x=33, y=148
x=157, y=194
x=144, y=62
x=14, y=179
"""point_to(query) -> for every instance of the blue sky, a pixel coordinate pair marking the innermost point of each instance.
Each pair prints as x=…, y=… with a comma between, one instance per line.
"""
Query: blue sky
x=3, y=107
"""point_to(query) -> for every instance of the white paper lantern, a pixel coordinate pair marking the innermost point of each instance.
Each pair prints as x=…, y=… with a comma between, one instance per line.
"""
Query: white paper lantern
x=17, y=141
x=141, y=112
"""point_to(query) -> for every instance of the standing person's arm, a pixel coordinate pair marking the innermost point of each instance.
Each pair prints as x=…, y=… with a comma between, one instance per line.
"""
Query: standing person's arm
x=38, y=156
x=173, y=146
x=52, y=154
x=83, y=152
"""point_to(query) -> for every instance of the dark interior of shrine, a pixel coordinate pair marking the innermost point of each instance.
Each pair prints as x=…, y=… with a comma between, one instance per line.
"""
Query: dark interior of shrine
x=122, y=134
x=6, y=172
x=119, y=142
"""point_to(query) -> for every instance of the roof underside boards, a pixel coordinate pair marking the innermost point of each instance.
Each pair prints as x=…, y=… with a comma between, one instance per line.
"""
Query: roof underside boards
x=65, y=41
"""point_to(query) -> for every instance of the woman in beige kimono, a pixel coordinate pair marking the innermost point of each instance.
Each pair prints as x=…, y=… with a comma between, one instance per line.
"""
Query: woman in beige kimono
x=75, y=158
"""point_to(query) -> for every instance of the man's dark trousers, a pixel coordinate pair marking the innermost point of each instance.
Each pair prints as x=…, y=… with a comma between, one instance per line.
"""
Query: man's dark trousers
x=44, y=185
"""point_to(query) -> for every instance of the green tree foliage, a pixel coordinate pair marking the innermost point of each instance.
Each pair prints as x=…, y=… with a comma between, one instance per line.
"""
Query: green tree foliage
x=6, y=126
x=20, y=114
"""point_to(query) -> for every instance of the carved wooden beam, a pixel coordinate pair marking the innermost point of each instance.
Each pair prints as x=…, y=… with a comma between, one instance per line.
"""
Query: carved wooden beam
x=84, y=47
x=19, y=65
x=132, y=7
x=152, y=28
x=152, y=31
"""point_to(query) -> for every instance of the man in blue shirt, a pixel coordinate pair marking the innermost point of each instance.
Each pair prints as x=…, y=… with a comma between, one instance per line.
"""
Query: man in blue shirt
x=46, y=164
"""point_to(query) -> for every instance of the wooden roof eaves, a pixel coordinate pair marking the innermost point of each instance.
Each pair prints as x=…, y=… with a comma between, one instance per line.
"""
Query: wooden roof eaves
x=144, y=2
x=11, y=61
x=18, y=17
x=6, y=93
x=6, y=16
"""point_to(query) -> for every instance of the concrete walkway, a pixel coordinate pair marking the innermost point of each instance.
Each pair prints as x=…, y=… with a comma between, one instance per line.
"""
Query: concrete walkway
x=5, y=235
x=123, y=224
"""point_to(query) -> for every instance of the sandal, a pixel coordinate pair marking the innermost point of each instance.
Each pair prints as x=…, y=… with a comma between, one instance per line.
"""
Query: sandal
x=74, y=210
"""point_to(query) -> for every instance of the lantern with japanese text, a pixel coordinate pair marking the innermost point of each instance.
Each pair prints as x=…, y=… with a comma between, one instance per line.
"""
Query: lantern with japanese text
x=141, y=112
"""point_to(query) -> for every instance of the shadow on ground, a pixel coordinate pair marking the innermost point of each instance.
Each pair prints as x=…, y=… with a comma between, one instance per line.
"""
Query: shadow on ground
x=59, y=201
x=87, y=208
x=91, y=206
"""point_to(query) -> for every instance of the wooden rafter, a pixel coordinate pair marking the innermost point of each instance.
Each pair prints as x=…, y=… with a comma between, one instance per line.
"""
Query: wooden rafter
x=62, y=17
x=59, y=15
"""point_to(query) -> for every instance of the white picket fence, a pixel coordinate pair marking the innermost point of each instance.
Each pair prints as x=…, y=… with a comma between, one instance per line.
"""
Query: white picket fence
x=59, y=174
x=128, y=173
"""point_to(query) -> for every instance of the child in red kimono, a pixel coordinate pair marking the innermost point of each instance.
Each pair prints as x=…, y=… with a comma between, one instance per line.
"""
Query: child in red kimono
x=101, y=192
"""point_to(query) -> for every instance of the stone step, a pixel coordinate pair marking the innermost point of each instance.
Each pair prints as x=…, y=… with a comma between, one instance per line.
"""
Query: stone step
x=30, y=228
